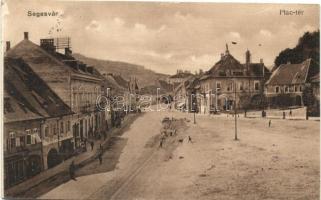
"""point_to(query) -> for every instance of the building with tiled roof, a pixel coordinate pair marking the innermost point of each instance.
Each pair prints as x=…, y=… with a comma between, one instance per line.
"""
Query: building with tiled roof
x=179, y=77
x=288, y=80
x=75, y=83
x=28, y=106
x=229, y=78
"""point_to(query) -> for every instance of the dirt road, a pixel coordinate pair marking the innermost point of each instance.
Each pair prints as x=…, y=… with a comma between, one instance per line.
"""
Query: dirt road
x=280, y=162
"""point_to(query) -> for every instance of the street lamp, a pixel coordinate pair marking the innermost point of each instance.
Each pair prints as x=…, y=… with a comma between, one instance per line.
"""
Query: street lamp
x=235, y=118
x=194, y=105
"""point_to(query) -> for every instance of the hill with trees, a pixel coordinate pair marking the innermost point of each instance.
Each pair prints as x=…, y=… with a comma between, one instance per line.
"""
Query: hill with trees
x=308, y=47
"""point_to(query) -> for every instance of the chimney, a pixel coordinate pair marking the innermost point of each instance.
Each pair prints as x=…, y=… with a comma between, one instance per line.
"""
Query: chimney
x=226, y=51
x=261, y=60
x=7, y=45
x=247, y=57
x=48, y=45
x=26, y=36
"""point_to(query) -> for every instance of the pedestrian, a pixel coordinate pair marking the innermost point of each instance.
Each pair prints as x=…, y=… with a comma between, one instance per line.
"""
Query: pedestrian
x=72, y=170
x=161, y=143
x=270, y=122
x=92, y=145
x=100, y=157
x=283, y=115
x=190, y=139
x=290, y=112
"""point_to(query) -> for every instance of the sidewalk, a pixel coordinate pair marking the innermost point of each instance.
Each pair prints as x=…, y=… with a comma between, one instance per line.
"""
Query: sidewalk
x=79, y=160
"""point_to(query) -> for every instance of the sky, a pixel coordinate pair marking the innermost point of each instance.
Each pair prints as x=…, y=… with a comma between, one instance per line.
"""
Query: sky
x=163, y=37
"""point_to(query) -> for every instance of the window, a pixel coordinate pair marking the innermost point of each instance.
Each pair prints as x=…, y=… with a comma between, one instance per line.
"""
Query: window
x=28, y=139
x=222, y=73
x=256, y=85
x=46, y=131
x=300, y=88
x=55, y=129
x=237, y=73
x=22, y=141
x=286, y=89
x=277, y=89
x=68, y=126
x=61, y=127
x=17, y=142
x=295, y=88
x=218, y=86
x=241, y=86
x=35, y=131
x=12, y=136
x=228, y=87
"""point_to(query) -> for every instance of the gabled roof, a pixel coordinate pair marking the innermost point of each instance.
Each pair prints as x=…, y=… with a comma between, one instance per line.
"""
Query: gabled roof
x=34, y=55
x=287, y=74
x=228, y=66
x=256, y=69
x=227, y=62
x=25, y=87
x=15, y=109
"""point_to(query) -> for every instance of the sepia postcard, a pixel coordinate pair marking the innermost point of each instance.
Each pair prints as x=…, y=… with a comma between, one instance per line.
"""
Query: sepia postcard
x=160, y=100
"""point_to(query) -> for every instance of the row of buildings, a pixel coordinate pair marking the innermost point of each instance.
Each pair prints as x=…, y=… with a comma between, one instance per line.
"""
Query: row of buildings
x=248, y=85
x=50, y=106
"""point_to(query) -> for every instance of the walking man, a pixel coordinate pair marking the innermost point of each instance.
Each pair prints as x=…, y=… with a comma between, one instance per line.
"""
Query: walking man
x=190, y=139
x=92, y=145
x=72, y=170
x=270, y=123
x=161, y=143
x=100, y=157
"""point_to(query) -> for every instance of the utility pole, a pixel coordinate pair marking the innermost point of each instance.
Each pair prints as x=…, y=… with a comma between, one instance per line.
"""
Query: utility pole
x=235, y=117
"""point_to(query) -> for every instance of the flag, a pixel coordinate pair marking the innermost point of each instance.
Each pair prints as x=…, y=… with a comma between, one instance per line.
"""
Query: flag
x=234, y=42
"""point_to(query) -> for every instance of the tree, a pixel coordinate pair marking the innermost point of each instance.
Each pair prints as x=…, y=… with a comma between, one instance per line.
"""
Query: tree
x=308, y=47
